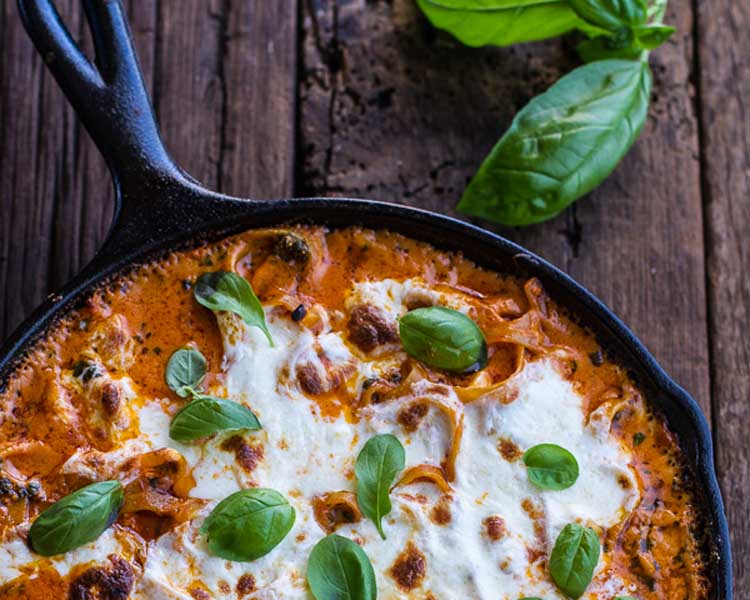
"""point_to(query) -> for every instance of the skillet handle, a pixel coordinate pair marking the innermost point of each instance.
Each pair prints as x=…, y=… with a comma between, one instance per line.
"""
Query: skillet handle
x=109, y=96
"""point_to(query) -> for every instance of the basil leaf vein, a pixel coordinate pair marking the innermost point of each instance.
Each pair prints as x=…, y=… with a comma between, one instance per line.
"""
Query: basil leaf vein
x=574, y=558
x=563, y=144
x=443, y=338
x=224, y=291
x=381, y=459
x=248, y=524
x=207, y=415
x=339, y=569
x=186, y=369
x=76, y=519
x=551, y=467
x=611, y=14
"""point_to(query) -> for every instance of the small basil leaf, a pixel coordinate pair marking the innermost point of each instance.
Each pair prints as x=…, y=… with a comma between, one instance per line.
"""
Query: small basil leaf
x=563, y=144
x=443, y=338
x=611, y=14
x=206, y=415
x=338, y=569
x=222, y=291
x=248, y=524
x=551, y=467
x=76, y=519
x=653, y=35
x=501, y=22
x=186, y=369
x=574, y=558
x=625, y=598
x=378, y=463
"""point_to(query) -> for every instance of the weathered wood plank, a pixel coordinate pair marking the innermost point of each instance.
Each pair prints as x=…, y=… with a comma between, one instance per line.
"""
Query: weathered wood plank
x=33, y=118
x=261, y=88
x=724, y=75
x=392, y=110
x=223, y=81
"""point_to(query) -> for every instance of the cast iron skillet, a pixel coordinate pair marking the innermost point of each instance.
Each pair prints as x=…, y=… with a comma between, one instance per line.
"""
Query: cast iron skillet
x=159, y=208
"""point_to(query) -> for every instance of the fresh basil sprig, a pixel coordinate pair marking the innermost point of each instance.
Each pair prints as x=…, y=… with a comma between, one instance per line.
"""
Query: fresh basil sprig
x=186, y=369
x=223, y=291
x=378, y=463
x=563, y=144
x=248, y=524
x=76, y=519
x=443, y=338
x=567, y=141
x=207, y=415
x=338, y=569
x=574, y=558
x=551, y=467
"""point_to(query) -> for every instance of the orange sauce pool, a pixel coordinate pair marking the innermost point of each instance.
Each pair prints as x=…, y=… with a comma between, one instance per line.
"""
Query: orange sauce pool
x=150, y=312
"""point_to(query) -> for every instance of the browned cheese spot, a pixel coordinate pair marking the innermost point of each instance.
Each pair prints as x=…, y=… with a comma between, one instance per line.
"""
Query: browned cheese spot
x=113, y=582
x=409, y=569
x=509, y=450
x=245, y=585
x=247, y=455
x=411, y=416
x=494, y=526
x=369, y=328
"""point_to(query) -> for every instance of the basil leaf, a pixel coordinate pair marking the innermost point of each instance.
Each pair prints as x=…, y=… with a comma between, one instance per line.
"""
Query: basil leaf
x=443, y=338
x=611, y=14
x=378, y=463
x=338, y=569
x=248, y=524
x=222, y=291
x=625, y=598
x=653, y=35
x=551, y=467
x=574, y=558
x=206, y=415
x=186, y=369
x=501, y=22
x=76, y=519
x=563, y=144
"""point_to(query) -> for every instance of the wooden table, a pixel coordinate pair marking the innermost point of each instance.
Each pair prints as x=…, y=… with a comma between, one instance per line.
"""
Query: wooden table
x=270, y=98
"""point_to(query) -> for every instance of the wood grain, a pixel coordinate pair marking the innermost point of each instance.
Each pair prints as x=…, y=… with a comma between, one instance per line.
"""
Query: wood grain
x=724, y=71
x=223, y=79
x=393, y=110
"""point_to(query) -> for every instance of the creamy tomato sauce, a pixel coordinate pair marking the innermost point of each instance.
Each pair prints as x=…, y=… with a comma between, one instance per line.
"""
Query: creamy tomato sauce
x=91, y=403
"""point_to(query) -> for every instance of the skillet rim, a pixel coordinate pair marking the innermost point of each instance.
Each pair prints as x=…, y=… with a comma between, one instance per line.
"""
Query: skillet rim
x=695, y=444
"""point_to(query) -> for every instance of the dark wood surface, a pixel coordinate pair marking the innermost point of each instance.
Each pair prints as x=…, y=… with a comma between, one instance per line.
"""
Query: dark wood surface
x=362, y=98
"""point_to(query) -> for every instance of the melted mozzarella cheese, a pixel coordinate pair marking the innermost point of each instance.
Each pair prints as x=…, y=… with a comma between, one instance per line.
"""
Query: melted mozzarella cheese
x=306, y=455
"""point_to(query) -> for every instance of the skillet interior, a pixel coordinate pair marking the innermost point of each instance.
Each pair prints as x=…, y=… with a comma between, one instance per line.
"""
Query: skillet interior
x=160, y=209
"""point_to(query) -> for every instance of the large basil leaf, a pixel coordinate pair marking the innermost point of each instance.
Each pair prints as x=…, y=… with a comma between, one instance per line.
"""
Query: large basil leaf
x=574, y=558
x=223, y=291
x=611, y=14
x=338, y=569
x=76, y=519
x=443, y=338
x=551, y=467
x=248, y=524
x=563, y=144
x=206, y=415
x=501, y=22
x=186, y=369
x=378, y=463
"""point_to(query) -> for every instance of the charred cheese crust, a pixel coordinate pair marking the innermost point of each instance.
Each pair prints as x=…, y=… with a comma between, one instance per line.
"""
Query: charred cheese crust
x=90, y=401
